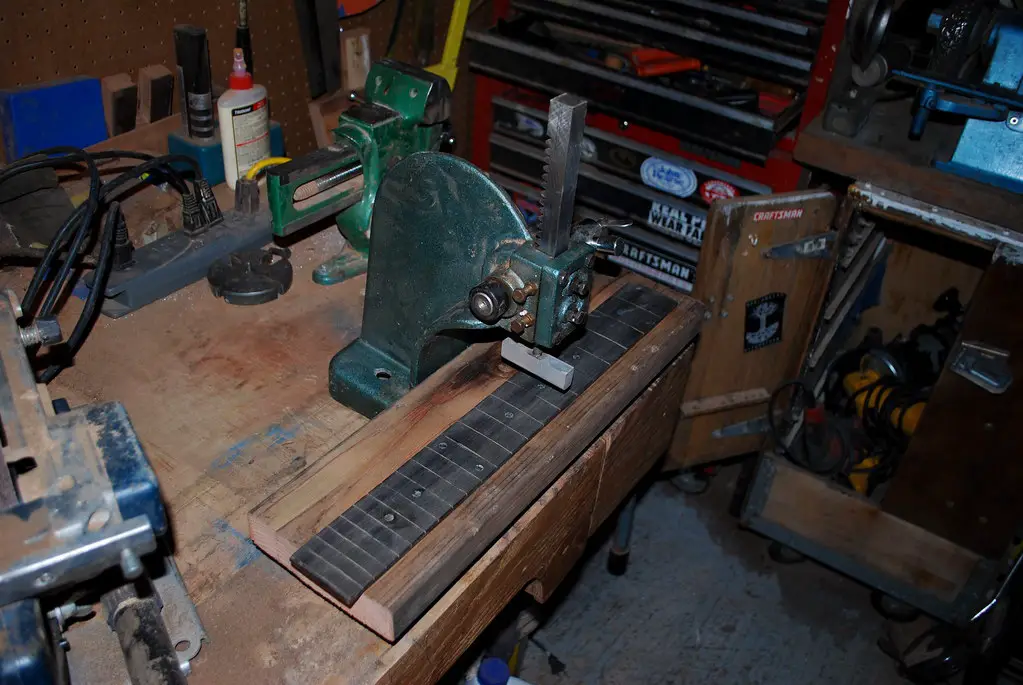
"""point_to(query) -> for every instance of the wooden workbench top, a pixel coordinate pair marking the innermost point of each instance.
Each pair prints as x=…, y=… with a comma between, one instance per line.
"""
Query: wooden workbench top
x=230, y=403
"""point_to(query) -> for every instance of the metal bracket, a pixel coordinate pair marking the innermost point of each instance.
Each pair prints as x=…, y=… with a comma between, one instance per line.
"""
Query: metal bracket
x=983, y=365
x=749, y=427
x=540, y=364
x=817, y=246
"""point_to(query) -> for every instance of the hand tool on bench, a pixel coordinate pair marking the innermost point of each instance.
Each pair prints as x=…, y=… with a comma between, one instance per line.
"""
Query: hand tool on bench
x=450, y=255
x=81, y=518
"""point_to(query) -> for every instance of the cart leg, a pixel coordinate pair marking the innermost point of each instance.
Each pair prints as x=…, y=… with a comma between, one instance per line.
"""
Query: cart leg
x=618, y=556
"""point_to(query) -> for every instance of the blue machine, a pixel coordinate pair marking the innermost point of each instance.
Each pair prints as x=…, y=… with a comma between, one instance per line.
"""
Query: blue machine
x=990, y=148
x=83, y=513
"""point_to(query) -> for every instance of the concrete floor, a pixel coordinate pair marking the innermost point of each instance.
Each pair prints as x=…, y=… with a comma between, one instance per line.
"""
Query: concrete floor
x=703, y=603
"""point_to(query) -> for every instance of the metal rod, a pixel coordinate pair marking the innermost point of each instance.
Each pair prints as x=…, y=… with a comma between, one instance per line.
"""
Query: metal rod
x=326, y=182
x=565, y=127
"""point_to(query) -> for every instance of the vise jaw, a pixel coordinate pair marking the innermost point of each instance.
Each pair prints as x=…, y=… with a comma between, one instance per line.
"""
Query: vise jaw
x=405, y=110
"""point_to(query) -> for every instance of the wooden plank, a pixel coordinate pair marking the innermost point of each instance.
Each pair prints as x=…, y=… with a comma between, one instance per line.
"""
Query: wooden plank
x=694, y=442
x=914, y=278
x=548, y=528
x=854, y=527
x=643, y=441
x=731, y=400
x=961, y=476
x=285, y=521
x=156, y=94
x=119, y=103
x=546, y=541
x=738, y=273
x=736, y=276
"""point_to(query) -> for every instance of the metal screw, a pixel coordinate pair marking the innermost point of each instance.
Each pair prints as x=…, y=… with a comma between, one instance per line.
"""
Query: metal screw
x=724, y=314
x=43, y=580
x=442, y=445
x=45, y=331
x=509, y=415
x=706, y=316
x=520, y=294
x=353, y=96
x=479, y=467
x=389, y=518
x=1013, y=121
x=417, y=493
x=413, y=93
x=131, y=566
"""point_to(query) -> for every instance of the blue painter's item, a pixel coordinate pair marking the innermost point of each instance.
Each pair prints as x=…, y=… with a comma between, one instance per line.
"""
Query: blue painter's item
x=132, y=479
x=25, y=656
x=990, y=148
x=493, y=671
x=210, y=154
x=67, y=112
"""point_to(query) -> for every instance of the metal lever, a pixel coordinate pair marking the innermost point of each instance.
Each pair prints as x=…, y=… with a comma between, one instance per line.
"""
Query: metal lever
x=565, y=127
x=539, y=363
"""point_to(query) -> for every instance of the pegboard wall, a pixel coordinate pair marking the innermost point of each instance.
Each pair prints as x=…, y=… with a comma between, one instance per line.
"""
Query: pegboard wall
x=45, y=40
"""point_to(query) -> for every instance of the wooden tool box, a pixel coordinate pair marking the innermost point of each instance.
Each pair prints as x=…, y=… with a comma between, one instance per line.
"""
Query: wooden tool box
x=938, y=536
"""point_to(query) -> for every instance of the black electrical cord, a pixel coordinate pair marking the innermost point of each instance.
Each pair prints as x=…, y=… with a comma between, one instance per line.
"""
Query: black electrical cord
x=95, y=296
x=803, y=457
x=73, y=237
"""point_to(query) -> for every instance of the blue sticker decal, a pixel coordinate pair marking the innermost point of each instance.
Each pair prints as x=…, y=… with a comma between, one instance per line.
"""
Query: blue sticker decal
x=671, y=178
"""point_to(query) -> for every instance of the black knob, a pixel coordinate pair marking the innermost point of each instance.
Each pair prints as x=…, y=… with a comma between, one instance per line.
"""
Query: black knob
x=489, y=301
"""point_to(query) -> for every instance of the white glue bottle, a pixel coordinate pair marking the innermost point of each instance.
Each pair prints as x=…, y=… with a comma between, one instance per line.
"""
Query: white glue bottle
x=244, y=122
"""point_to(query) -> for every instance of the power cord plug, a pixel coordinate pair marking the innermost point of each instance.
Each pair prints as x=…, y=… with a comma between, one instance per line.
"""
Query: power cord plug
x=192, y=223
x=211, y=214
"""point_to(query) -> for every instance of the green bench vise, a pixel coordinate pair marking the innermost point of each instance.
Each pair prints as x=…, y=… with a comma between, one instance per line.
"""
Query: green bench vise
x=406, y=110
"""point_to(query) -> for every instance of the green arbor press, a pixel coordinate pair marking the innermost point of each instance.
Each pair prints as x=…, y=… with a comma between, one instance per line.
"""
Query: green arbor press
x=449, y=252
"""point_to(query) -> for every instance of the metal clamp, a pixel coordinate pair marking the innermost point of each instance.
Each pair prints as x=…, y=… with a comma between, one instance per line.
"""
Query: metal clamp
x=982, y=365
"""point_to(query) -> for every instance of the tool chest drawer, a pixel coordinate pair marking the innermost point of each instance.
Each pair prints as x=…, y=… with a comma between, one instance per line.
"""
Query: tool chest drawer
x=743, y=87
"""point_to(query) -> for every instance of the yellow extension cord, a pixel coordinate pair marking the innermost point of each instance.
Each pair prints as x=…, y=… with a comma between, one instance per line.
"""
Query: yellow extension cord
x=263, y=164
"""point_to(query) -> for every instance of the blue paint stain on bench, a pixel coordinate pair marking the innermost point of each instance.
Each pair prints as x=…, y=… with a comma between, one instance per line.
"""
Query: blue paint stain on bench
x=271, y=439
x=245, y=551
